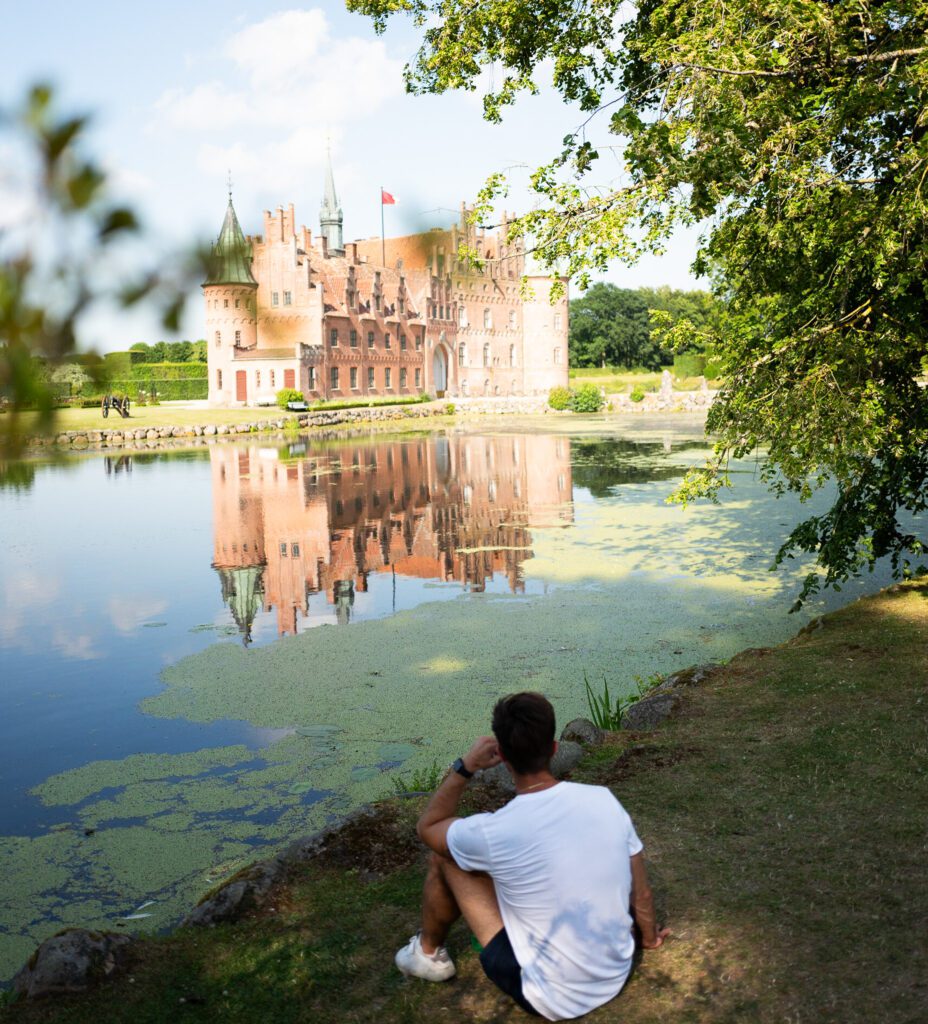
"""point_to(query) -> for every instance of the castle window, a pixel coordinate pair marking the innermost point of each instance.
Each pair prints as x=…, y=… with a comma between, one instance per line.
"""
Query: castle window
x=225, y=303
x=310, y=378
x=403, y=342
x=272, y=378
x=370, y=339
x=353, y=339
x=486, y=355
x=238, y=303
x=462, y=315
x=218, y=338
x=333, y=375
x=238, y=338
x=402, y=376
x=257, y=378
x=288, y=298
x=401, y=305
x=512, y=355
x=333, y=337
x=353, y=377
x=441, y=312
x=294, y=548
x=370, y=378
x=487, y=319
x=462, y=355
x=219, y=379
x=386, y=339
x=387, y=377
x=275, y=298
x=377, y=303
x=557, y=321
x=418, y=377
x=557, y=357
x=418, y=342
x=512, y=318
x=283, y=549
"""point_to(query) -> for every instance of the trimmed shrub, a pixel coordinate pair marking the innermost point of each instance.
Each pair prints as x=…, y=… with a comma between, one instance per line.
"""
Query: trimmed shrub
x=637, y=394
x=559, y=398
x=587, y=398
x=689, y=364
x=286, y=395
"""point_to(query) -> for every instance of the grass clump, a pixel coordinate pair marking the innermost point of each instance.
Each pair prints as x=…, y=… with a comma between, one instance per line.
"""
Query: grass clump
x=605, y=712
x=421, y=780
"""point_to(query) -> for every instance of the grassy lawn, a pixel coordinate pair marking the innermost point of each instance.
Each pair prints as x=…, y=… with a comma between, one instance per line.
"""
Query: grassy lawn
x=619, y=381
x=145, y=416
x=783, y=815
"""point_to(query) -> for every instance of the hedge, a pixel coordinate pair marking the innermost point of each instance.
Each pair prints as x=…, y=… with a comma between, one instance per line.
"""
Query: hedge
x=689, y=364
x=168, y=371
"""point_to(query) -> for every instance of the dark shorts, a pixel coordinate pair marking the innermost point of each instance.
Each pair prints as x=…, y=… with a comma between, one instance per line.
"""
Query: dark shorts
x=501, y=967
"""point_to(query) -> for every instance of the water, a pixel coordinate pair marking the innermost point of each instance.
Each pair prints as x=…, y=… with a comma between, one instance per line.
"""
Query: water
x=206, y=653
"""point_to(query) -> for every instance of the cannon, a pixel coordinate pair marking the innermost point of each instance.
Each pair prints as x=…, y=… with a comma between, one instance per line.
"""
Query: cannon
x=119, y=403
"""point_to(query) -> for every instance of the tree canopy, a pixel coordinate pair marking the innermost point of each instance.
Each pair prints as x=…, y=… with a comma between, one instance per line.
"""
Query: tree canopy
x=794, y=131
x=613, y=326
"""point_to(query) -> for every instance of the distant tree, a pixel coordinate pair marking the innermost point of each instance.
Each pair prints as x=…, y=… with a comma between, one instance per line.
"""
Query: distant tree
x=199, y=351
x=179, y=352
x=159, y=352
x=612, y=326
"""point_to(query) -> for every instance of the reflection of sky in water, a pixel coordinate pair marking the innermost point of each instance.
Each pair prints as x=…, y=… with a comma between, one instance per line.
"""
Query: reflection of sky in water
x=107, y=579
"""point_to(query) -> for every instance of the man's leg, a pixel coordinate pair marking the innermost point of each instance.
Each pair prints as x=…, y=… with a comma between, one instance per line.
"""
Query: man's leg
x=449, y=893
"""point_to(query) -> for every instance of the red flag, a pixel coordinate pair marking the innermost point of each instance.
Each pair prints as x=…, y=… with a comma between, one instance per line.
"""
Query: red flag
x=386, y=199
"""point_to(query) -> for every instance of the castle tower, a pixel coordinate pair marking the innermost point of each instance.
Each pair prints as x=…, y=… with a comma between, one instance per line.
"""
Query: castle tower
x=231, y=310
x=330, y=214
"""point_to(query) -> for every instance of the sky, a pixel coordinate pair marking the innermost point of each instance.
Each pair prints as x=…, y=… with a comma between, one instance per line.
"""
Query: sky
x=182, y=94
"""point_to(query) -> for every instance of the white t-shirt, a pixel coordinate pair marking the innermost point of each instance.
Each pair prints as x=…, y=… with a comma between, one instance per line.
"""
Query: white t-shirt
x=560, y=863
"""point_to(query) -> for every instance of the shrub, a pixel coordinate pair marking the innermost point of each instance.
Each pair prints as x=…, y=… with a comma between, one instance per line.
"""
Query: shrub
x=689, y=364
x=288, y=395
x=713, y=370
x=637, y=394
x=559, y=398
x=587, y=398
x=450, y=409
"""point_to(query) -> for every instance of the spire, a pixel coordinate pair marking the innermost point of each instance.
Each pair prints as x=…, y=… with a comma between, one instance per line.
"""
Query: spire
x=230, y=260
x=330, y=214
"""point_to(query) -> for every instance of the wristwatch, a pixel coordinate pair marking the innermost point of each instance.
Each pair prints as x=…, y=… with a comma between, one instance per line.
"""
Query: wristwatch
x=458, y=767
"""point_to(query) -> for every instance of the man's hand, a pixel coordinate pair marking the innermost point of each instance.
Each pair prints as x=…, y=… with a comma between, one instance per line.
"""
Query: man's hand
x=484, y=753
x=658, y=940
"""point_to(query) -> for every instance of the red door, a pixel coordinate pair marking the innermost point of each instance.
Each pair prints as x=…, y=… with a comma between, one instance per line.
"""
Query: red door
x=241, y=389
x=289, y=378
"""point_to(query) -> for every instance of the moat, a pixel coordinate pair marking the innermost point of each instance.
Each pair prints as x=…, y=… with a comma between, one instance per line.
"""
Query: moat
x=206, y=653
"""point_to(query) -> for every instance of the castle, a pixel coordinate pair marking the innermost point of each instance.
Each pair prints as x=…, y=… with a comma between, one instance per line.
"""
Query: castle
x=376, y=318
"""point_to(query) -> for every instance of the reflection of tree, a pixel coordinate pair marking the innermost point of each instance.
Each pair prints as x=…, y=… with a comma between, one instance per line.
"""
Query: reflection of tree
x=17, y=476
x=600, y=466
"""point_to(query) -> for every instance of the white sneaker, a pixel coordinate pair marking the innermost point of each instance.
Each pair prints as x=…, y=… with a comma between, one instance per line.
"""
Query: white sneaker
x=412, y=960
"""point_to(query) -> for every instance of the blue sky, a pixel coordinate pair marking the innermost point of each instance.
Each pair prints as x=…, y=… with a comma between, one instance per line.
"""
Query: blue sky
x=183, y=92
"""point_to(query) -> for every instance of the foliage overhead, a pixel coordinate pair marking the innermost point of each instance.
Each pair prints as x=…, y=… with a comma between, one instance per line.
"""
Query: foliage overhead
x=59, y=260
x=794, y=132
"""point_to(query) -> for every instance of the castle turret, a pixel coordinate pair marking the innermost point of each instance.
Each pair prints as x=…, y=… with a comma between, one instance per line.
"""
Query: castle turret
x=229, y=292
x=330, y=214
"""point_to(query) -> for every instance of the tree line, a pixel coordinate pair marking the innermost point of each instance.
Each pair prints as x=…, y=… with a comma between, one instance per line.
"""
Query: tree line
x=169, y=352
x=612, y=326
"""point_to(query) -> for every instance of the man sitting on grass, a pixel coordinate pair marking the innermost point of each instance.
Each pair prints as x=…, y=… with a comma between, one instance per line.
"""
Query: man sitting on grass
x=545, y=883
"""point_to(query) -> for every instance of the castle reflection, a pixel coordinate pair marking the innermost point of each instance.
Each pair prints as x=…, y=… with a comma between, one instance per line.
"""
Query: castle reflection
x=294, y=522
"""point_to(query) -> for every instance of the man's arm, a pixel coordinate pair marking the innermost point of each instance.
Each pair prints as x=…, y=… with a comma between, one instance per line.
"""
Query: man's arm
x=643, y=906
x=439, y=812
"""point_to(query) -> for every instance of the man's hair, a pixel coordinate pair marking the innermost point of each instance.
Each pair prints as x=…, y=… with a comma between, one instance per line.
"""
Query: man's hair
x=523, y=724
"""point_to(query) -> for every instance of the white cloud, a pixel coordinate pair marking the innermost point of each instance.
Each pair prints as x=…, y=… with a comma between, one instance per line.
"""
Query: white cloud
x=288, y=84
x=128, y=613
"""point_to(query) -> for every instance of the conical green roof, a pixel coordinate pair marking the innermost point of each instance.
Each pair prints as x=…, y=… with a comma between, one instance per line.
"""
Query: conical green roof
x=230, y=261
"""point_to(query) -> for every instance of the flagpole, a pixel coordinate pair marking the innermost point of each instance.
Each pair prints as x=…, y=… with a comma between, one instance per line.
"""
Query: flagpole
x=383, y=244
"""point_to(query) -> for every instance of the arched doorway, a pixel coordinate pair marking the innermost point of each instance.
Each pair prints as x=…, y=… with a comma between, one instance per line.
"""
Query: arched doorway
x=440, y=371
